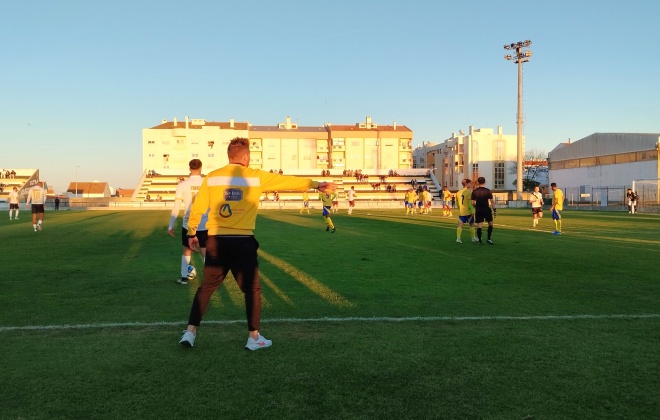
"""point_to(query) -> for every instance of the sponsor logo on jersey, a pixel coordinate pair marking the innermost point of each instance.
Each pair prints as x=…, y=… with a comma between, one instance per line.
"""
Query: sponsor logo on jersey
x=233, y=194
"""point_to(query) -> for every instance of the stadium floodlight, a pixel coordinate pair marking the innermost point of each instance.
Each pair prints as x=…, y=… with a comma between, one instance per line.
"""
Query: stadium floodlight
x=519, y=58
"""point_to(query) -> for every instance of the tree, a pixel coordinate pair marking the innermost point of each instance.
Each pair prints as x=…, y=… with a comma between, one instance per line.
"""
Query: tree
x=533, y=157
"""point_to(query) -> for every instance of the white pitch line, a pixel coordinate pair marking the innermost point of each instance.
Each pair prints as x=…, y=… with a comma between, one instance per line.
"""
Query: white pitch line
x=329, y=319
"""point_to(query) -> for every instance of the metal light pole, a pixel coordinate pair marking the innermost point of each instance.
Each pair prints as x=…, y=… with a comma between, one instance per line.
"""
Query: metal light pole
x=519, y=58
x=77, y=181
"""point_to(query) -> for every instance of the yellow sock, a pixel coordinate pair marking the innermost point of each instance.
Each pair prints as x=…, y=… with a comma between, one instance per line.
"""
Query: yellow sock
x=473, y=232
x=559, y=222
x=459, y=230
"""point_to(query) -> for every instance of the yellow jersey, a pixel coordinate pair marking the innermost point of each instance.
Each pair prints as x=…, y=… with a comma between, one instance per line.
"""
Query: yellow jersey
x=558, y=199
x=231, y=195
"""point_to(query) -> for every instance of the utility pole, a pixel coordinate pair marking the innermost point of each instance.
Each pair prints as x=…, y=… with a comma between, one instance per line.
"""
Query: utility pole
x=519, y=58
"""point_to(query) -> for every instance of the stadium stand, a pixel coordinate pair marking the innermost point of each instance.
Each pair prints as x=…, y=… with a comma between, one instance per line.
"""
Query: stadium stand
x=164, y=186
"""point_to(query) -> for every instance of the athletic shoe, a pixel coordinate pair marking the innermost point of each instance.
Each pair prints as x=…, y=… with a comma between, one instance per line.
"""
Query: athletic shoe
x=490, y=242
x=556, y=232
x=458, y=241
x=479, y=243
x=333, y=230
x=182, y=280
x=188, y=339
x=327, y=228
x=475, y=239
x=39, y=227
x=260, y=343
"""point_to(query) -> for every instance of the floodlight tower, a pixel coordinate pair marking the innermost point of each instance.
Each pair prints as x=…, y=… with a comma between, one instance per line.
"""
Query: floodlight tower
x=521, y=56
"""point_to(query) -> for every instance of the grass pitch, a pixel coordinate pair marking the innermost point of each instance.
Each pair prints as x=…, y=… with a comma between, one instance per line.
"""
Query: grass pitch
x=386, y=318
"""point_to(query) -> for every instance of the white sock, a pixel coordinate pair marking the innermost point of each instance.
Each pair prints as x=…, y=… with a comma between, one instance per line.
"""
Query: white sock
x=185, y=262
x=39, y=222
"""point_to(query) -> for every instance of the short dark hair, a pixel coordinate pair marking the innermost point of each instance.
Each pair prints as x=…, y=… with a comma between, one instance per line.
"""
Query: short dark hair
x=554, y=184
x=481, y=180
x=238, y=146
x=195, y=164
x=467, y=181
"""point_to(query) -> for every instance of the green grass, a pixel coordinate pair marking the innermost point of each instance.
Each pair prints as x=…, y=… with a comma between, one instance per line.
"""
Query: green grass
x=386, y=318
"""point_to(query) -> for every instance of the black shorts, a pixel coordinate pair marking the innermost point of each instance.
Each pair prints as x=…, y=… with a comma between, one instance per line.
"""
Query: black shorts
x=481, y=215
x=13, y=206
x=202, y=237
x=537, y=210
x=37, y=208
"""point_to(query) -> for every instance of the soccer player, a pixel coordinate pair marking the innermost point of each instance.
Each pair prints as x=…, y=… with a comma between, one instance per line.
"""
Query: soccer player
x=410, y=199
x=305, y=202
x=428, y=198
x=327, y=199
x=335, y=204
x=465, y=211
x=13, y=203
x=350, y=196
x=536, y=200
x=185, y=195
x=482, y=200
x=37, y=196
x=231, y=196
x=557, y=207
x=446, y=202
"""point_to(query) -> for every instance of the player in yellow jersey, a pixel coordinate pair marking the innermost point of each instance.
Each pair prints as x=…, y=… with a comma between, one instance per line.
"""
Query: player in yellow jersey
x=557, y=207
x=427, y=198
x=305, y=202
x=410, y=199
x=446, y=202
x=465, y=211
x=231, y=194
x=327, y=199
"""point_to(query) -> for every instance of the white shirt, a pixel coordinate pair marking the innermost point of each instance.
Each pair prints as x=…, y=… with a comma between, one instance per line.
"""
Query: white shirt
x=185, y=193
x=539, y=198
x=13, y=197
x=36, y=195
x=350, y=194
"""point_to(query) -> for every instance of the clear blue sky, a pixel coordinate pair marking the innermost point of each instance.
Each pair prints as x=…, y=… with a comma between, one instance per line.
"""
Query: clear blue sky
x=79, y=80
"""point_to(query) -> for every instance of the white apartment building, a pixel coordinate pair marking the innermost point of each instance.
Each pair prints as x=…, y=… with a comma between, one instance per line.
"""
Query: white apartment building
x=169, y=146
x=481, y=152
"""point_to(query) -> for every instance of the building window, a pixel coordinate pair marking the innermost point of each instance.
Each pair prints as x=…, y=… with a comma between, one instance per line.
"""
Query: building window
x=195, y=155
x=475, y=171
x=151, y=142
x=499, y=176
x=152, y=155
x=211, y=155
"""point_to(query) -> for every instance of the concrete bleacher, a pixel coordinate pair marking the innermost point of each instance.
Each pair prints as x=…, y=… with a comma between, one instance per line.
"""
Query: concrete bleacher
x=164, y=185
x=22, y=176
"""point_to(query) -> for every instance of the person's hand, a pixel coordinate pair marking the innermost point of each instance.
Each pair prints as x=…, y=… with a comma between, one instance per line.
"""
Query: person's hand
x=193, y=243
x=170, y=232
x=323, y=186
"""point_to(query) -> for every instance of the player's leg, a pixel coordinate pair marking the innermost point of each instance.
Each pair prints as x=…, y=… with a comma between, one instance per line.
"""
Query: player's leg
x=215, y=271
x=34, y=218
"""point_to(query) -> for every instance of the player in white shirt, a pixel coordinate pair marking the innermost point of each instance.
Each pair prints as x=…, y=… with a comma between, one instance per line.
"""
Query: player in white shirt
x=37, y=196
x=536, y=200
x=185, y=195
x=350, y=196
x=13, y=203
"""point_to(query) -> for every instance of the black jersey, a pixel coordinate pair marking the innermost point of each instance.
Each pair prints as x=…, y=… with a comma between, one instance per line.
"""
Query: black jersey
x=481, y=195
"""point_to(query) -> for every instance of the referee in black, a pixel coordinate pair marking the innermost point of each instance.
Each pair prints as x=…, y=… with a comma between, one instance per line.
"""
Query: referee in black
x=484, y=208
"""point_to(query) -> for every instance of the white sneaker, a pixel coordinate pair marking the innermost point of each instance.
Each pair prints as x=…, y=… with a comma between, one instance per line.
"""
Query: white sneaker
x=260, y=343
x=458, y=240
x=39, y=227
x=188, y=339
x=475, y=239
